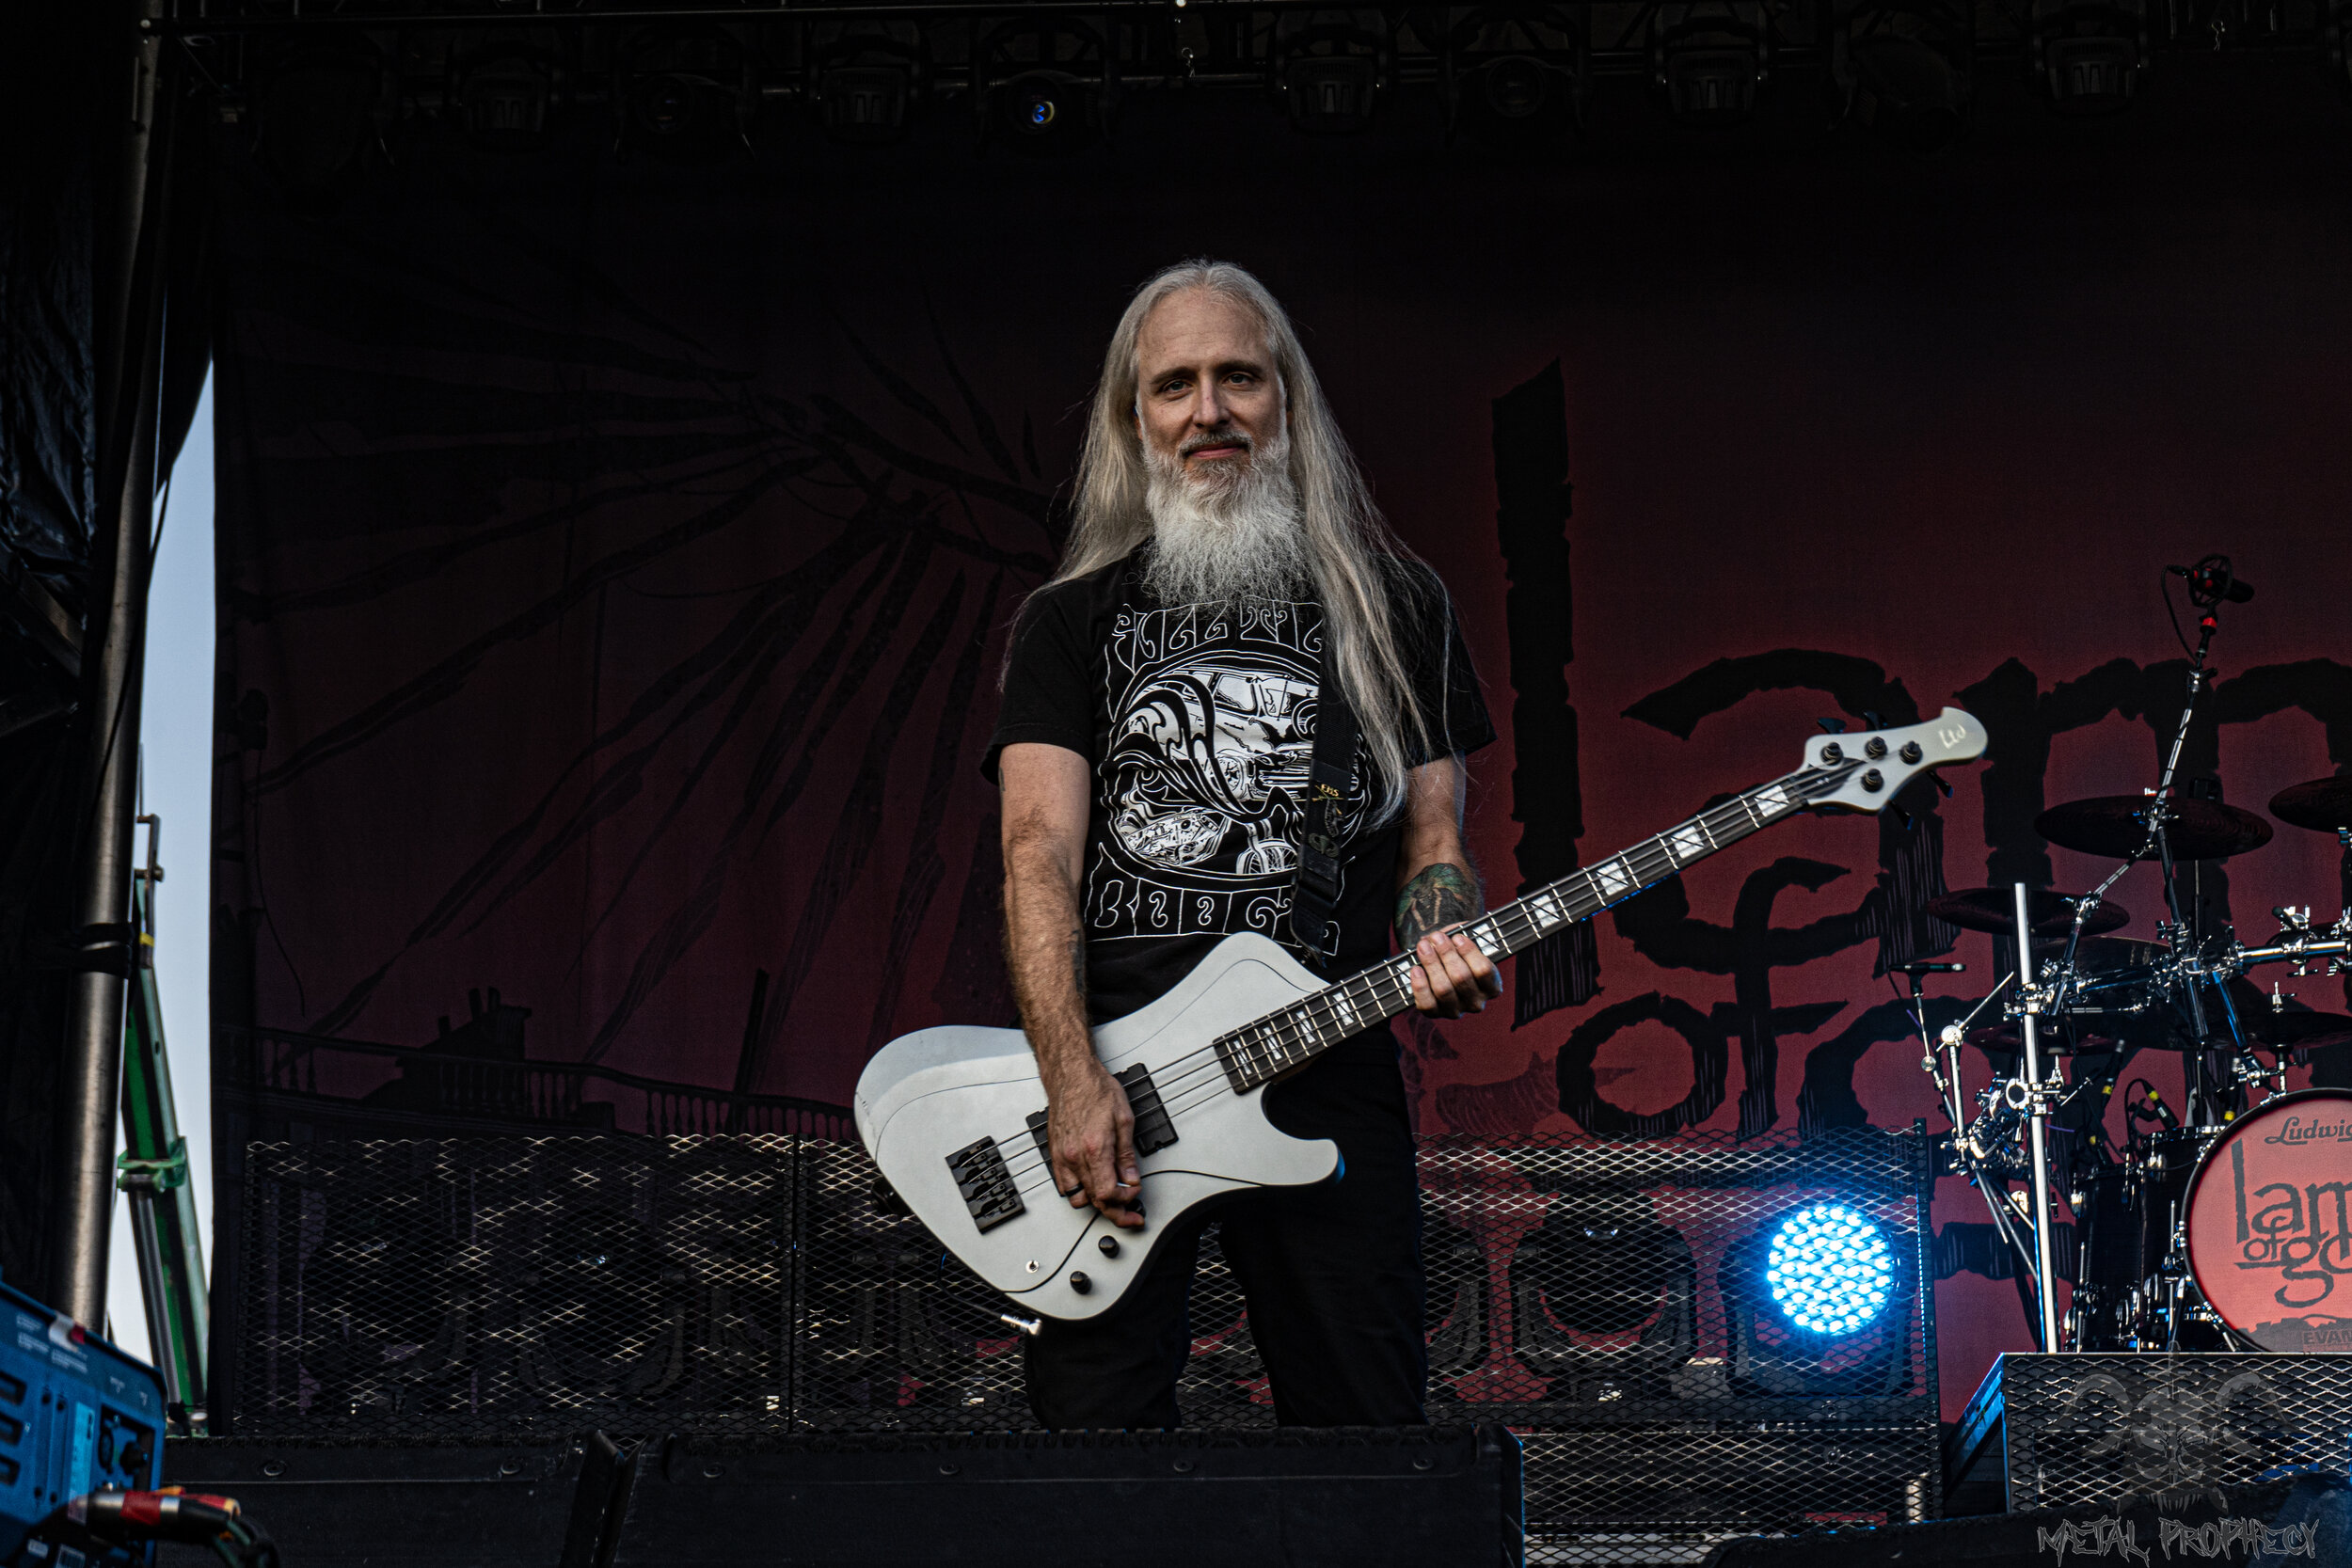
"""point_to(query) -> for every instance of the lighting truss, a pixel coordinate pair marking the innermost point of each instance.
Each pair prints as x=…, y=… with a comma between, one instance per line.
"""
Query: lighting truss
x=501, y=67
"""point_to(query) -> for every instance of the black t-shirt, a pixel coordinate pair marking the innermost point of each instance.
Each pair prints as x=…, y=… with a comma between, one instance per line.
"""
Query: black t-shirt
x=1199, y=720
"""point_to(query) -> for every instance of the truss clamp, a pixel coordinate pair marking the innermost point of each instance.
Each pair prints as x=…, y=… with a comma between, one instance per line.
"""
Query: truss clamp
x=160, y=1175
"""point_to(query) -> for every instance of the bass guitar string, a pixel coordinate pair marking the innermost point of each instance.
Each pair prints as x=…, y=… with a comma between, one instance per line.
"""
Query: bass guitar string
x=1650, y=862
x=1200, y=1083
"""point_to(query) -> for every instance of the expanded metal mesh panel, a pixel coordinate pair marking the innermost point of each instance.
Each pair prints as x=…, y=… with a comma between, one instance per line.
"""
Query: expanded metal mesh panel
x=2089, y=1428
x=1613, y=1303
x=1608, y=1301
x=448, y=1289
x=894, y=1335
x=1585, y=1282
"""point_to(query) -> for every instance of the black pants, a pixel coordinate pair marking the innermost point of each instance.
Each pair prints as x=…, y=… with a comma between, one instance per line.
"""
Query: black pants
x=1332, y=1274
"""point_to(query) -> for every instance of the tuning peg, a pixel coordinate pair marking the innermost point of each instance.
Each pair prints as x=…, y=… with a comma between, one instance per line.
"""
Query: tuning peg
x=1873, y=720
x=1942, y=785
x=1834, y=726
x=1902, y=818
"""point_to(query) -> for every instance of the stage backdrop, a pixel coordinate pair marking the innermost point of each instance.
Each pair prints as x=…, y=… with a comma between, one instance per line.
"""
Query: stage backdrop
x=615, y=561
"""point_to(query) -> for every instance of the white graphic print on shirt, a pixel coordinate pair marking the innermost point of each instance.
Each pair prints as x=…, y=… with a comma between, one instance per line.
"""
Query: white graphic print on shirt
x=1204, y=786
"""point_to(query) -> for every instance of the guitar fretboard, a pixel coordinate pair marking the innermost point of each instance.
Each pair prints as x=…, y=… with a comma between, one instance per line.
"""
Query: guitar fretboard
x=1268, y=1047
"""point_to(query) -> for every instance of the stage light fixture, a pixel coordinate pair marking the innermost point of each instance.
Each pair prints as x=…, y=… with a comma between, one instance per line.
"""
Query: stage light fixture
x=1035, y=105
x=1907, y=70
x=1604, y=1300
x=1830, y=1268
x=867, y=84
x=503, y=97
x=319, y=112
x=1044, y=85
x=864, y=105
x=1045, y=112
x=2090, y=55
x=1515, y=78
x=1819, y=1302
x=685, y=94
x=1514, y=87
x=1331, y=77
x=1709, y=65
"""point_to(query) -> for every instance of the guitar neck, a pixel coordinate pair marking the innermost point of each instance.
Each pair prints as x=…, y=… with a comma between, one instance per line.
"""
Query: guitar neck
x=1269, y=1046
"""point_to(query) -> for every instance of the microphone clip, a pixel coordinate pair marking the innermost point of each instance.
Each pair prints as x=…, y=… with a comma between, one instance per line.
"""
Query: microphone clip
x=2212, y=583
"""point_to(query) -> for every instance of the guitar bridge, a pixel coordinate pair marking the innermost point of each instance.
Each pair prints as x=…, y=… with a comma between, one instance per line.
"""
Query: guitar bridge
x=1154, y=1130
x=986, y=1185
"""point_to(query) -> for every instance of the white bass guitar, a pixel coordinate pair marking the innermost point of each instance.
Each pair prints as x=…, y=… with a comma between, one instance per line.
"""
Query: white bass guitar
x=955, y=1116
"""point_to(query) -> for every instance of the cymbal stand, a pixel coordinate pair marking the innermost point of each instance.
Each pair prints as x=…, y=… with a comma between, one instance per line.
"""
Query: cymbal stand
x=1974, y=1142
x=2344, y=876
x=1942, y=1061
x=2038, y=1099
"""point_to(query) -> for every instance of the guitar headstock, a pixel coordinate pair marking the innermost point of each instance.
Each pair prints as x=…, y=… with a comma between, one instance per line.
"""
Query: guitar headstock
x=1861, y=771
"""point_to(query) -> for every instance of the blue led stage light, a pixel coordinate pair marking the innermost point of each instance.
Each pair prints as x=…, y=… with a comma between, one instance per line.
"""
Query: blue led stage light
x=1830, y=1268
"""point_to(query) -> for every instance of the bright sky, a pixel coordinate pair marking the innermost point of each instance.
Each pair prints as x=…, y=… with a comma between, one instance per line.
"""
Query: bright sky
x=175, y=752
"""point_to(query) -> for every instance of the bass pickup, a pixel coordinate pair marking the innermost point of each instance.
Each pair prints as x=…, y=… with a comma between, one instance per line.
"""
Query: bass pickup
x=1154, y=1130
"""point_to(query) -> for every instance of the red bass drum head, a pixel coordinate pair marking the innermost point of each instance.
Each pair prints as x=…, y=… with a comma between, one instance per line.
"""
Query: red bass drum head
x=2271, y=1223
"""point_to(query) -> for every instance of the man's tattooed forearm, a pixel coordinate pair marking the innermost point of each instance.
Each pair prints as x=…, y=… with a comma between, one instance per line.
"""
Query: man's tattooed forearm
x=1441, y=895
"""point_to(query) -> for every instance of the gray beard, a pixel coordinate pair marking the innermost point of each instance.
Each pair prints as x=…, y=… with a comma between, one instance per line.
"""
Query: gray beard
x=1226, y=540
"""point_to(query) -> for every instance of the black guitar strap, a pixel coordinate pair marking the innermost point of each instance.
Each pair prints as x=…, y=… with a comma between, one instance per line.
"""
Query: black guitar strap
x=1314, y=905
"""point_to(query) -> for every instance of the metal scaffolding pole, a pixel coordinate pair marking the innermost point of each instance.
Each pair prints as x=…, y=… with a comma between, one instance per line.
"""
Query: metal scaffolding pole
x=115, y=643
x=154, y=1167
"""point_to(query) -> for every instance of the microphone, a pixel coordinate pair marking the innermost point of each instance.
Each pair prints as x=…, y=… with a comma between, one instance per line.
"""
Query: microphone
x=2211, y=581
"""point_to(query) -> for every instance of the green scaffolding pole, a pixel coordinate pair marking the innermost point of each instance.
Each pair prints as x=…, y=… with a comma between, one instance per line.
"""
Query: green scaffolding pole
x=153, y=1170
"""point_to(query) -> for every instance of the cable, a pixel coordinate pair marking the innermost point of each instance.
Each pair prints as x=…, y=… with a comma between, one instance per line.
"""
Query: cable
x=2164, y=586
x=174, y=1514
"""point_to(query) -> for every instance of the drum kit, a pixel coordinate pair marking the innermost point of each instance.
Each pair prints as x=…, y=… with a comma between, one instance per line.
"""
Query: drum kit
x=2225, y=1224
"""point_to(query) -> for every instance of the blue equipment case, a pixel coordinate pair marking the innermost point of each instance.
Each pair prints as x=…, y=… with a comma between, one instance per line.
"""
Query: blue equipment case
x=76, y=1416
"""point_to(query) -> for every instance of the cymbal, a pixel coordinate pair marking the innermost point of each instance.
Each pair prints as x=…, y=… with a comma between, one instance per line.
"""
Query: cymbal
x=2115, y=826
x=1995, y=910
x=2099, y=954
x=2304, y=1029
x=2322, y=803
x=2000, y=1040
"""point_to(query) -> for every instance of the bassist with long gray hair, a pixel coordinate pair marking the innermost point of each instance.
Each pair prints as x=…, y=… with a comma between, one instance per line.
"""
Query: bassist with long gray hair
x=1240, y=706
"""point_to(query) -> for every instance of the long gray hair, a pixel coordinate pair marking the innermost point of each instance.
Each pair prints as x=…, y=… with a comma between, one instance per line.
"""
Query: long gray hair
x=1363, y=572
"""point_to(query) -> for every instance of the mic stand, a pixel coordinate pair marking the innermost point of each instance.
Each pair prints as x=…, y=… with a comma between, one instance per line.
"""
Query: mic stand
x=2202, y=1111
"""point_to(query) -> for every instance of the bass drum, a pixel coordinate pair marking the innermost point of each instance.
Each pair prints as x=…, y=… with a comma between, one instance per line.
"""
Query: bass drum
x=2270, y=1223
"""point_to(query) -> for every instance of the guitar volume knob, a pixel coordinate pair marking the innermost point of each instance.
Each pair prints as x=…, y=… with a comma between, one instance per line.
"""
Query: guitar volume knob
x=1080, y=1283
x=1110, y=1245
